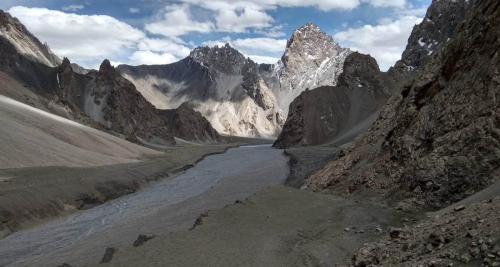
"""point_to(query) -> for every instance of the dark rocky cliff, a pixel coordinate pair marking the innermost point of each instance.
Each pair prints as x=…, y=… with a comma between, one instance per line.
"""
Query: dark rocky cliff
x=190, y=125
x=439, y=25
x=326, y=113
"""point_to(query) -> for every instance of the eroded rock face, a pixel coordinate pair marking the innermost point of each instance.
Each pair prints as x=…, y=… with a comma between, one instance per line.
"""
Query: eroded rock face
x=221, y=83
x=438, y=141
x=108, y=98
x=326, y=113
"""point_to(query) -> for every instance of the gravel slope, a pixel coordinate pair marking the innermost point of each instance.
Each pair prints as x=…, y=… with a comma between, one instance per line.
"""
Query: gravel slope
x=32, y=138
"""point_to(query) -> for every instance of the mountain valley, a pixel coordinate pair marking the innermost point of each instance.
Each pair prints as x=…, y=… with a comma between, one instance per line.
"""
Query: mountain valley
x=321, y=159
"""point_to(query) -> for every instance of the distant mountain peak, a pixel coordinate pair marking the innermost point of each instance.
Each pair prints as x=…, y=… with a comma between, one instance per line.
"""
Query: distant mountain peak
x=225, y=59
x=203, y=52
x=309, y=27
x=311, y=33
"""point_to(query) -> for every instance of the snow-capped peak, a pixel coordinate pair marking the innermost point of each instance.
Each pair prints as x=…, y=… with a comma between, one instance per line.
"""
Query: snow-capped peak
x=312, y=58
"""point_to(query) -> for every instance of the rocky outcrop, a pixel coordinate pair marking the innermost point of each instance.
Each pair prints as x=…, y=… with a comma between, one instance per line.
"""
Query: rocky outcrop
x=190, y=125
x=111, y=100
x=327, y=113
x=464, y=236
x=438, y=140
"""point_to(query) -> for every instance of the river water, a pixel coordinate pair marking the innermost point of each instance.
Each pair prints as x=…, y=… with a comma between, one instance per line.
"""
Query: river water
x=170, y=205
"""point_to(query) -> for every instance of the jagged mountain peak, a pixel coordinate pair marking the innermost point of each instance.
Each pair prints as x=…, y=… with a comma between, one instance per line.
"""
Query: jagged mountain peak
x=66, y=61
x=106, y=66
x=65, y=66
x=312, y=59
x=225, y=59
x=310, y=26
x=306, y=37
x=312, y=33
x=205, y=53
x=25, y=43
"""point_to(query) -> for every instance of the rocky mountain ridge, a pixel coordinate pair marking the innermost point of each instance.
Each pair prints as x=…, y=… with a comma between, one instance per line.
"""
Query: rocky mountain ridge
x=429, y=37
x=220, y=82
x=237, y=95
x=437, y=141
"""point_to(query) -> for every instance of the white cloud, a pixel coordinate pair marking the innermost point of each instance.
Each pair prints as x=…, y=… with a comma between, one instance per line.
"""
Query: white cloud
x=158, y=51
x=385, y=41
x=73, y=8
x=151, y=58
x=239, y=20
x=84, y=39
x=386, y=3
x=175, y=21
x=325, y=5
x=262, y=45
x=178, y=20
x=163, y=45
x=270, y=4
x=239, y=16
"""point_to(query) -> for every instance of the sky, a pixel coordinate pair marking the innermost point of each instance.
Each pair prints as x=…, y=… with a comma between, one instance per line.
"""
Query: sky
x=164, y=31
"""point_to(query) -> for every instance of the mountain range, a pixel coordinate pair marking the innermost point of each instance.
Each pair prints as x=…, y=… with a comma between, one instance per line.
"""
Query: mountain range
x=237, y=96
x=100, y=98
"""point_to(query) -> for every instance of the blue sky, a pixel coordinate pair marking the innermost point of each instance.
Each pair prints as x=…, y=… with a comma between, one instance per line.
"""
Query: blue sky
x=164, y=31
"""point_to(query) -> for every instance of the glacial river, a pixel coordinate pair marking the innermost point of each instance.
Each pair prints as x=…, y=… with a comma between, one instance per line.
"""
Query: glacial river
x=170, y=205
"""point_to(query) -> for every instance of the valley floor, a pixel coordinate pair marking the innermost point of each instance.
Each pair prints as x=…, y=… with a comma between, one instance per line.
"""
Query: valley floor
x=284, y=226
x=280, y=226
x=233, y=210
x=169, y=205
x=30, y=196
